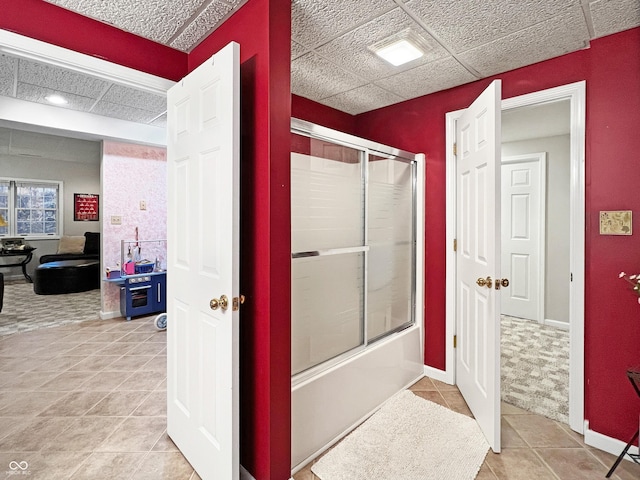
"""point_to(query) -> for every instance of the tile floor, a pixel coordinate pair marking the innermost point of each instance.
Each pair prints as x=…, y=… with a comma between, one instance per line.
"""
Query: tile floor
x=87, y=401
x=533, y=447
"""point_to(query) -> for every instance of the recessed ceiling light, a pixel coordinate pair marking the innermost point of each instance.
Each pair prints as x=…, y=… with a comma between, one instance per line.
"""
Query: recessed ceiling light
x=56, y=99
x=400, y=52
x=402, y=47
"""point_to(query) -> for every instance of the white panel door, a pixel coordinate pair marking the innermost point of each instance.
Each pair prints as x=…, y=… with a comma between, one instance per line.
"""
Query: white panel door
x=523, y=213
x=202, y=342
x=478, y=261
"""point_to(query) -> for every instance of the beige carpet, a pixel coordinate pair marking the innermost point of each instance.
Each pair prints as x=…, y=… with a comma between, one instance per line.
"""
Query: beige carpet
x=535, y=367
x=24, y=311
x=409, y=438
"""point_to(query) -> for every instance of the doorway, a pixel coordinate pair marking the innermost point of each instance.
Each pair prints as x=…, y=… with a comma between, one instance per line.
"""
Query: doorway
x=575, y=95
x=535, y=212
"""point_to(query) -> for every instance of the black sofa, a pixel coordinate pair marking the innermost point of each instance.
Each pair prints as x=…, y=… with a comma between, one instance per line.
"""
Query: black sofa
x=91, y=251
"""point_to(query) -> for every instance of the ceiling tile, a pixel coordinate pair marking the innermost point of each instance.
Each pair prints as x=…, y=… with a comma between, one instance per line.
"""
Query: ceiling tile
x=429, y=78
x=201, y=26
x=464, y=24
x=158, y=20
x=297, y=50
x=315, y=78
x=34, y=93
x=123, y=112
x=60, y=79
x=362, y=99
x=555, y=37
x=315, y=22
x=8, y=67
x=351, y=52
x=131, y=97
x=611, y=16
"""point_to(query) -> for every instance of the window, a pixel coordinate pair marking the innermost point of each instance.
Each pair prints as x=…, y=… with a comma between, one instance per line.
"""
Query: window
x=30, y=208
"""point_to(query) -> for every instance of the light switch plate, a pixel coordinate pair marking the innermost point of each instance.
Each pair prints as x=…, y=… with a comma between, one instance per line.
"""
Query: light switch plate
x=143, y=205
x=116, y=220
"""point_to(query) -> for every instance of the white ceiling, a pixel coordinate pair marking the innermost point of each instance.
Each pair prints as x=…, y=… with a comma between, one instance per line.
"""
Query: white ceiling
x=468, y=40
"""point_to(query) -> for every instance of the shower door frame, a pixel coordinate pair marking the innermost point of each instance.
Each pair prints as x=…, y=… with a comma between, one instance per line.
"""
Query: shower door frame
x=370, y=374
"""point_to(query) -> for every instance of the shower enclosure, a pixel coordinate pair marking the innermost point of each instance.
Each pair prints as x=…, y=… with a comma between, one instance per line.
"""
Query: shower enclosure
x=356, y=279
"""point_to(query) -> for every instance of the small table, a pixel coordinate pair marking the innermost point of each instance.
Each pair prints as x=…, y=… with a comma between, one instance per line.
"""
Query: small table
x=634, y=378
x=27, y=253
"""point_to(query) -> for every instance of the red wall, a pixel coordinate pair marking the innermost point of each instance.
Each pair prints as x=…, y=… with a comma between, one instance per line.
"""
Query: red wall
x=49, y=23
x=305, y=109
x=611, y=68
x=263, y=30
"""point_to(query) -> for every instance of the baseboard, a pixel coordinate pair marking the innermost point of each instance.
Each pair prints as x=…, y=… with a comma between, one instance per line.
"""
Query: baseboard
x=437, y=374
x=245, y=475
x=607, y=444
x=109, y=315
x=556, y=324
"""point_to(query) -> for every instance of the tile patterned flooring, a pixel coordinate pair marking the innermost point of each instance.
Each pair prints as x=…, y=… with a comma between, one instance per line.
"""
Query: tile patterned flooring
x=87, y=401
x=533, y=447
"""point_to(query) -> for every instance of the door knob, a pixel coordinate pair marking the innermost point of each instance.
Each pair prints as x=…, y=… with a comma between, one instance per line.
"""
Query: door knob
x=237, y=301
x=223, y=303
x=485, y=282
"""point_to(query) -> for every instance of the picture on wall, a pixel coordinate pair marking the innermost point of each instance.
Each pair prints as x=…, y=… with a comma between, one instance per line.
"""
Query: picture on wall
x=85, y=207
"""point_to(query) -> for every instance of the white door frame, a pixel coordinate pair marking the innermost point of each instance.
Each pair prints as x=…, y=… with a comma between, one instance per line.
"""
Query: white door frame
x=541, y=159
x=576, y=94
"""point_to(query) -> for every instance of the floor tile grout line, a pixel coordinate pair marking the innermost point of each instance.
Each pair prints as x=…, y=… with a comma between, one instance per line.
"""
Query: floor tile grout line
x=547, y=466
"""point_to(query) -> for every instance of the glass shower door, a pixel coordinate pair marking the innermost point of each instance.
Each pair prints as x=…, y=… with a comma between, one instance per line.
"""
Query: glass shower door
x=328, y=251
x=391, y=241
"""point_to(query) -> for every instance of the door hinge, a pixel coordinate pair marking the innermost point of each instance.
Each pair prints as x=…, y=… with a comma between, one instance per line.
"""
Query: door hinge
x=455, y=148
x=455, y=341
x=455, y=244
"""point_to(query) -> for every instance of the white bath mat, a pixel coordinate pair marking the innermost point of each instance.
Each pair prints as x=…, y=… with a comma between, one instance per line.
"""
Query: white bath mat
x=409, y=438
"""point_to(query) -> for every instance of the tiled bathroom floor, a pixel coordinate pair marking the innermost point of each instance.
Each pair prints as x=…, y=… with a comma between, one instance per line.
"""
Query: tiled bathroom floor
x=533, y=447
x=88, y=401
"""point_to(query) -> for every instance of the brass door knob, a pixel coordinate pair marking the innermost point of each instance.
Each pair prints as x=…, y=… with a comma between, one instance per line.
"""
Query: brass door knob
x=485, y=282
x=223, y=303
x=237, y=301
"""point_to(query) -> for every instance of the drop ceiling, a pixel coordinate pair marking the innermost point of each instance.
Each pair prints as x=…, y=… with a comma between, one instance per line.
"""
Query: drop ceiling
x=330, y=62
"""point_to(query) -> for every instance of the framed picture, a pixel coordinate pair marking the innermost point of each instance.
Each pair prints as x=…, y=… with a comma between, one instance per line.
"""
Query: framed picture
x=85, y=207
x=616, y=222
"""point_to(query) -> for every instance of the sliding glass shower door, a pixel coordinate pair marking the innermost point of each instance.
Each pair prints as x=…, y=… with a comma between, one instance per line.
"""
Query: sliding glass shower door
x=353, y=248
